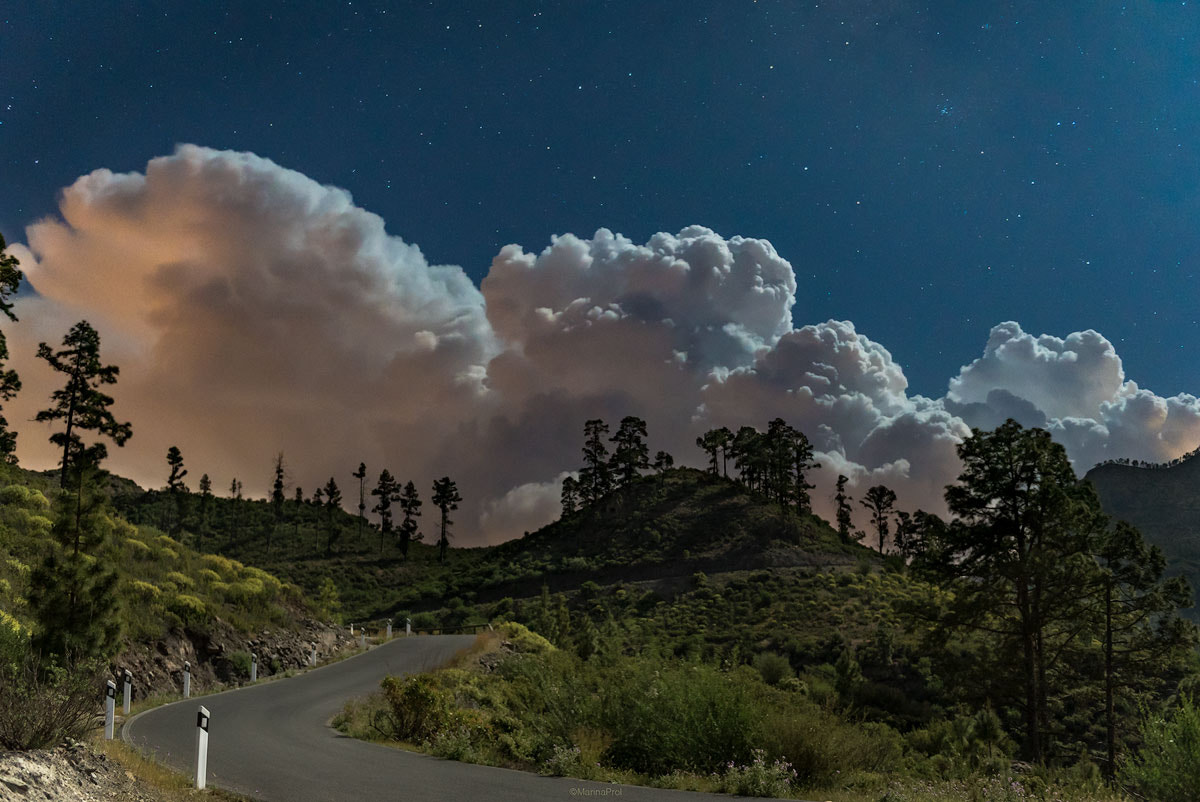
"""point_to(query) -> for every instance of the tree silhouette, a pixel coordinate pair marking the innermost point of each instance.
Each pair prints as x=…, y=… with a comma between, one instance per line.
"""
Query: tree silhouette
x=80, y=404
x=235, y=509
x=570, y=496
x=277, y=500
x=844, y=524
x=1018, y=561
x=445, y=498
x=206, y=497
x=10, y=382
x=176, y=489
x=387, y=490
x=318, y=501
x=595, y=480
x=630, y=454
x=709, y=444
x=410, y=505
x=361, y=476
x=297, y=517
x=663, y=462
x=879, y=501
x=333, y=500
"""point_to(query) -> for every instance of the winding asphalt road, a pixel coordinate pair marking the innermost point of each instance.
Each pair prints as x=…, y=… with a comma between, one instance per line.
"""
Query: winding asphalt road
x=273, y=741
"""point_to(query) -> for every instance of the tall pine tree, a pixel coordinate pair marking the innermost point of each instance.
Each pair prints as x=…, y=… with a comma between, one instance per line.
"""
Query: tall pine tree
x=445, y=498
x=80, y=404
x=10, y=382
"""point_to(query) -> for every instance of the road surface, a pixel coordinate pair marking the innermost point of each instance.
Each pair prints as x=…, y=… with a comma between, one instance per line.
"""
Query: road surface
x=273, y=741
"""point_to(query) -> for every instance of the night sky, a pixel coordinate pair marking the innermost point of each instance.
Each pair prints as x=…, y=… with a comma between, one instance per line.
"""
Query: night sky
x=929, y=169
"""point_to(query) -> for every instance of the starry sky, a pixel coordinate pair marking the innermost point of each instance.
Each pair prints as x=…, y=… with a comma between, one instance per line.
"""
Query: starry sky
x=929, y=169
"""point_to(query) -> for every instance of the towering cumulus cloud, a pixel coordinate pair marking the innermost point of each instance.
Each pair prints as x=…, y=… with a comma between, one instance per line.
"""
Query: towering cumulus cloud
x=254, y=311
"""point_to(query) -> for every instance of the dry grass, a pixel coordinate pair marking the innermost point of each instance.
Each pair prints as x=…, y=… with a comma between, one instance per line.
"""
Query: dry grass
x=157, y=779
x=484, y=642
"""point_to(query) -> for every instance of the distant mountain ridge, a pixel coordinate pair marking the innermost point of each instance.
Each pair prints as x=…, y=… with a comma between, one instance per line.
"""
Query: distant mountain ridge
x=1163, y=502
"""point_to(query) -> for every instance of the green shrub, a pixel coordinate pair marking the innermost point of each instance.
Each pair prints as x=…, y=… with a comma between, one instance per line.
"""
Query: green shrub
x=819, y=745
x=241, y=663
x=678, y=717
x=418, y=709
x=180, y=580
x=1167, y=767
x=774, y=668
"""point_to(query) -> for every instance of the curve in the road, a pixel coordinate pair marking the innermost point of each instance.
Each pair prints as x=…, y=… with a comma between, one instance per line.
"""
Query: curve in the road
x=273, y=741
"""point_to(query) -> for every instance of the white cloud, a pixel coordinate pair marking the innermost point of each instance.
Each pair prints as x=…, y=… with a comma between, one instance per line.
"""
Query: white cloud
x=252, y=310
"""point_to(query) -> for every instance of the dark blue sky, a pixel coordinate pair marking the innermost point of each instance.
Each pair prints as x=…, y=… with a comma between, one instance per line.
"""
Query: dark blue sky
x=929, y=169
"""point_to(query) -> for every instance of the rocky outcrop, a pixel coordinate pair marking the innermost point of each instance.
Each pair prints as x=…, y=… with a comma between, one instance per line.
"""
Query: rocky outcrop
x=219, y=656
x=73, y=773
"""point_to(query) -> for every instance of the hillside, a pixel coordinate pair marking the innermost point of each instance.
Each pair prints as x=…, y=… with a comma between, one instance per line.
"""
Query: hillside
x=1164, y=504
x=176, y=603
x=662, y=528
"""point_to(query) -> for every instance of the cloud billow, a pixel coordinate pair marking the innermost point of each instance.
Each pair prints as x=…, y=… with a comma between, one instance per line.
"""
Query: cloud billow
x=253, y=310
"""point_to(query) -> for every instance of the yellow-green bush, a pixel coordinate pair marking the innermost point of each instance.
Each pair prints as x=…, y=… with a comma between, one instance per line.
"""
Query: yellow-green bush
x=144, y=591
x=180, y=579
x=189, y=608
x=524, y=639
x=136, y=548
x=22, y=496
x=208, y=576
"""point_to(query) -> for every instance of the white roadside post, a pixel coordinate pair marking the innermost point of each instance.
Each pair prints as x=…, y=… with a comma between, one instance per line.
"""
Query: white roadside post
x=187, y=679
x=202, y=747
x=407, y=627
x=362, y=637
x=352, y=629
x=254, y=668
x=389, y=630
x=312, y=660
x=128, y=689
x=110, y=706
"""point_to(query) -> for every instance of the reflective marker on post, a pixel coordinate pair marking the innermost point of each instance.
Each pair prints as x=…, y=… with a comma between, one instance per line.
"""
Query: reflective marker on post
x=254, y=668
x=407, y=627
x=202, y=747
x=128, y=689
x=110, y=706
x=187, y=679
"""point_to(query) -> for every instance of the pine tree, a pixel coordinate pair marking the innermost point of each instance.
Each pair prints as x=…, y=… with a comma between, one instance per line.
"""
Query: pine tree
x=235, y=509
x=72, y=593
x=333, y=501
x=277, y=500
x=630, y=454
x=387, y=490
x=176, y=488
x=879, y=502
x=595, y=479
x=361, y=476
x=318, y=501
x=80, y=404
x=570, y=496
x=663, y=462
x=410, y=505
x=206, y=497
x=1018, y=560
x=445, y=498
x=844, y=524
x=10, y=382
x=297, y=516
x=802, y=456
x=708, y=443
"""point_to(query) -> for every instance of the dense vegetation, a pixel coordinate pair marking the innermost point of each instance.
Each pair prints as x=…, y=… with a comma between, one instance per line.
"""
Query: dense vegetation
x=1030, y=626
